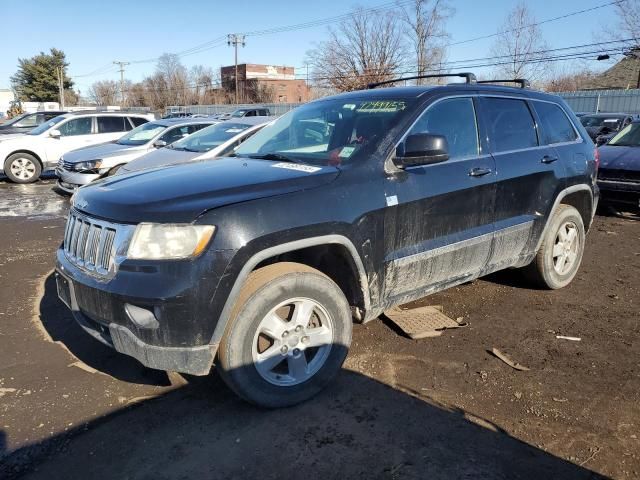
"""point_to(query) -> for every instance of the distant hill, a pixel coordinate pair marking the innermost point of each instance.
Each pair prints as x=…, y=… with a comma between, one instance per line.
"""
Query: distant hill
x=624, y=74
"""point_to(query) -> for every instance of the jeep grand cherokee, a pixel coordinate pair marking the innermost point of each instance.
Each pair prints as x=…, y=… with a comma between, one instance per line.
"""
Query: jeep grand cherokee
x=340, y=209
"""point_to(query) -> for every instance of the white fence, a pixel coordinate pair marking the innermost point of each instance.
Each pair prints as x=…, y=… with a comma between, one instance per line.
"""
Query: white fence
x=606, y=101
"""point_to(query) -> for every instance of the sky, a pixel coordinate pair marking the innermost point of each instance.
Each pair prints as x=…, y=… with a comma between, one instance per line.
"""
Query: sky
x=94, y=34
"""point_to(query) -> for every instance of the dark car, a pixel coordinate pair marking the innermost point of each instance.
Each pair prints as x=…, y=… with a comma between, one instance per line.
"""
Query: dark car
x=601, y=127
x=334, y=213
x=619, y=174
x=27, y=122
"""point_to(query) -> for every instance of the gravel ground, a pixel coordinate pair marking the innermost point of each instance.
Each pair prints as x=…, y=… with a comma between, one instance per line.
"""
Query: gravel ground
x=434, y=408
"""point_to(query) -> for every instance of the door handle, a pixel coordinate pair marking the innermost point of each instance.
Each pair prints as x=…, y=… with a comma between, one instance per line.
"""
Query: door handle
x=479, y=172
x=548, y=159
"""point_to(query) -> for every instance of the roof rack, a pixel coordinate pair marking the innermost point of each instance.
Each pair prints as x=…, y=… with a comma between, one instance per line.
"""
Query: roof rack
x=468, y=76
x=523, y=82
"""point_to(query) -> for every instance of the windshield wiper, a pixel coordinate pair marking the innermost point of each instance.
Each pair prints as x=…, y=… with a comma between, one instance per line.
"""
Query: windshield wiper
x=274, y=156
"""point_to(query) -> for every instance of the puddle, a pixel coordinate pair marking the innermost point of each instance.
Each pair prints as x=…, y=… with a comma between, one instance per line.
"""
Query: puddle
x=34, y=200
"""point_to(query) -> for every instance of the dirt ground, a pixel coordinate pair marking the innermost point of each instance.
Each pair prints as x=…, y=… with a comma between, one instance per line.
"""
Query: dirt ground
x=439, y=408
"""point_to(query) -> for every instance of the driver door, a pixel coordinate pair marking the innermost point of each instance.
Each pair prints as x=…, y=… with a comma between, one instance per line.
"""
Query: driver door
x=439, y=220
x=74, y=133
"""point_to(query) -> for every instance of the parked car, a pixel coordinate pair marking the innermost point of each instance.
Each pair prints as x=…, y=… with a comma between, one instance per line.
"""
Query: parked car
x=250, y=112
x=603, y=126
x=177, y=115
x=338, y=210
x=27, y=121
x=85, y=165
x=215, y=141
x=619, y=174
x=25, y=157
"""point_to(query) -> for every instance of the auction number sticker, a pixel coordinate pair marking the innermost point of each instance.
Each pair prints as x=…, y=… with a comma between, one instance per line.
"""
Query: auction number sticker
x=296, y=166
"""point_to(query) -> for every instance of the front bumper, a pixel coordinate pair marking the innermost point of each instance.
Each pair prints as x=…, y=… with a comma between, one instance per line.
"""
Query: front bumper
x=178, y=336
x=70, y=181
x=620, y=192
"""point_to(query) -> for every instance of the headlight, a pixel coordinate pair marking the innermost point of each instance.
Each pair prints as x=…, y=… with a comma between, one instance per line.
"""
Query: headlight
x=88, y=165
x=159, y=241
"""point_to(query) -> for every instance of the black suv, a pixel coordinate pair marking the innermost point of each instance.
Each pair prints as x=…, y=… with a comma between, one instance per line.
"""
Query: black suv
x=335, y=212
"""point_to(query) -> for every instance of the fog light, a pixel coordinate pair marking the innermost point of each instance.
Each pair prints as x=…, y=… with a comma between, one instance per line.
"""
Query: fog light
x=142, y=317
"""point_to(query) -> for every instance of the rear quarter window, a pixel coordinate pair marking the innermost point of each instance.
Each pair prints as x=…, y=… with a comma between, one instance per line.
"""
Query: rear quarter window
x=556, y=126
x=510, y=124
x=137, y=121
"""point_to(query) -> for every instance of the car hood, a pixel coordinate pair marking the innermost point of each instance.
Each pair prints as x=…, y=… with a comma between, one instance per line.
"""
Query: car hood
x=159, y=158
x=9, y=130
x=181, y=193
x=94, y=152
x=619, y=158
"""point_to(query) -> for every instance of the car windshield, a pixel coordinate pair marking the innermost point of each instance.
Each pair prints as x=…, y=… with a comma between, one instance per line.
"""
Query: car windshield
x=327, y=132
x=142, y=134
x=46, y=125
x=238, y=113
x=16, y=119
x=600, y=121
x=628, y=137
x=210, y=137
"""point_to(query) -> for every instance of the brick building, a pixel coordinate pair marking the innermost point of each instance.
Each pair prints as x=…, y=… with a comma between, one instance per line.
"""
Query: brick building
x=265, y=83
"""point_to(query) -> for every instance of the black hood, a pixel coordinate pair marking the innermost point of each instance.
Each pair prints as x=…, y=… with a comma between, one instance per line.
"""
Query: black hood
x=181, y=193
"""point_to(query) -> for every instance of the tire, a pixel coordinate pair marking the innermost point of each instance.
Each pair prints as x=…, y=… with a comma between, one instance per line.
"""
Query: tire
x=251, y=346
x=548, y=269
x=22, y=168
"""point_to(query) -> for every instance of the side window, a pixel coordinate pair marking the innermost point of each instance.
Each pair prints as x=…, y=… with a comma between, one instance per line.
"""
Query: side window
x=510, y=124
x=456, y=120
x=175, y=134
x=137, y=121
x=111, y=124
x=251, y=113
x=77, y=126
x=194, y=128
x=556, y=127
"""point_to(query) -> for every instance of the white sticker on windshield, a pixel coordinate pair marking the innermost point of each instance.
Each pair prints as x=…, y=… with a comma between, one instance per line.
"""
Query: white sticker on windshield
x=233, y=130
x=346, y=152
x=295, y=166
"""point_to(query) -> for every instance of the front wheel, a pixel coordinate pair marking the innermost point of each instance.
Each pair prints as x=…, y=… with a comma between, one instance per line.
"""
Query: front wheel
x=560, y=254
x=287, y=337
x=22, y=168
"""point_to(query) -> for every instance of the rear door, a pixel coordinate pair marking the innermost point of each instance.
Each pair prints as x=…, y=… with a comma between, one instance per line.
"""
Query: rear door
x=439, y=223
x=528, y=175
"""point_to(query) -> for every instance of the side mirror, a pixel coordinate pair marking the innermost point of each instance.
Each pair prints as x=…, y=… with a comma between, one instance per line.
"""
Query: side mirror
x=159, y=144
x=55, y=133
x=422, y=149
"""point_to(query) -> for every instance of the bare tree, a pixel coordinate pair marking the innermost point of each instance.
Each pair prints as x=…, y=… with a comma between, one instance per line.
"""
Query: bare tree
x=425, y=28
x=366, y=47
x=568, y=79
x=104, y=92
x=519, y=47
x=628, y=24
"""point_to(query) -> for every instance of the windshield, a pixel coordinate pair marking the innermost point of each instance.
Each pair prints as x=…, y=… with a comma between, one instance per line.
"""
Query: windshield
x=628, y=137
x=210, y=137
x=328, y=132
x=600, y=121
x=46, y=125
x=16, y=119
x=238, y=113
x=142, y=134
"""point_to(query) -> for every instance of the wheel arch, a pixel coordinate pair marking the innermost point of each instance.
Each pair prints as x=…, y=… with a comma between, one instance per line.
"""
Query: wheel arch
x=28, y=152
x=578, y=196
x=308, y=251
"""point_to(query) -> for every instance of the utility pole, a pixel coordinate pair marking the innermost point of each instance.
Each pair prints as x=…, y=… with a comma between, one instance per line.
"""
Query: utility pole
x=122, y=65
x=60, y=75
x=235, y=40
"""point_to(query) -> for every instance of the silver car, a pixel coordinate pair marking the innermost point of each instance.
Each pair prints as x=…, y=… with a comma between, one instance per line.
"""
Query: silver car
x=85, y=165
x=218, y=140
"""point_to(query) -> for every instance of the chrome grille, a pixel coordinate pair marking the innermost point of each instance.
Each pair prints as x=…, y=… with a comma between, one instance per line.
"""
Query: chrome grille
x=90, y=244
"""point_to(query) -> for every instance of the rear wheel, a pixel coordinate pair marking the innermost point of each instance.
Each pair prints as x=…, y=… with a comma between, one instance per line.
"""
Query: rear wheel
x=287, y=337
x=22, y=168
x=560, y=254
